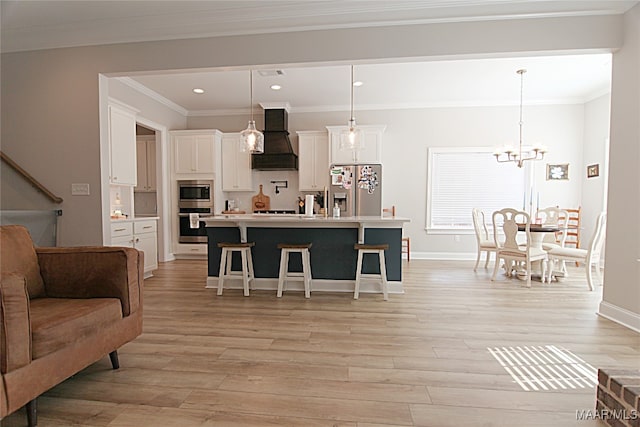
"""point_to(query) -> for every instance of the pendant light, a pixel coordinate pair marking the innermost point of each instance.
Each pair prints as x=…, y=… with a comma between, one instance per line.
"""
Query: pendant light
x=508, y=153
x=351, y=138
x=251, y=139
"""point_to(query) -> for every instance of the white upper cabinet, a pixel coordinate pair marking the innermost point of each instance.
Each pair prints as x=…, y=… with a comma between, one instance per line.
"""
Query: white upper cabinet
x=146, y=163
x=371, y=153
x=236, y=165
x=194, y=151
x=122, y=145
x=313, y=158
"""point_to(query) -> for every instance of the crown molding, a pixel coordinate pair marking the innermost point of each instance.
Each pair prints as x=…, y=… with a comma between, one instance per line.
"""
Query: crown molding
x=153, y=95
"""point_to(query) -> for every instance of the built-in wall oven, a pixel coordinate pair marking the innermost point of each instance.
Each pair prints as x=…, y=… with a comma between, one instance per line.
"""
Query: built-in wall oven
x=194, y=197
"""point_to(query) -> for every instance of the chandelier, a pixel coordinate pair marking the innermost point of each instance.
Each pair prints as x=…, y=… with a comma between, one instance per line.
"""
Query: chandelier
x=508, y=153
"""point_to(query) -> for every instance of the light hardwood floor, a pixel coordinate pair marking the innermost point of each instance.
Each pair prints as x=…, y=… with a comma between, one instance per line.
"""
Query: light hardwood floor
x=419, y=359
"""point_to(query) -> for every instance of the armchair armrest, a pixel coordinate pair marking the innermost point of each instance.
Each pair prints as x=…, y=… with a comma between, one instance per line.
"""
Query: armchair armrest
x=15, y=334
x=94, y=272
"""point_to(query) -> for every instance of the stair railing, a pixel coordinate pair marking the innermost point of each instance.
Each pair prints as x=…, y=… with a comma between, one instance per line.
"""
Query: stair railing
x=26, y=175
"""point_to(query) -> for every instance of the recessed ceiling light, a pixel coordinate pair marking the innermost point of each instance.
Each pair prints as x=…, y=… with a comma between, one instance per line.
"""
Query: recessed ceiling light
x=276, y=87
x=198, y=90
x=358, y=83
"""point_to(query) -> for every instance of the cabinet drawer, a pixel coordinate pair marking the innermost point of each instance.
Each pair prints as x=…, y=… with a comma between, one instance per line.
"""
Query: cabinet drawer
x=191, y=249
x=121, y=229
x=140, y=227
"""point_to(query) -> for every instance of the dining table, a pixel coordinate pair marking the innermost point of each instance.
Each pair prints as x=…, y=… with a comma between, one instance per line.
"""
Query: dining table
x=537, y=233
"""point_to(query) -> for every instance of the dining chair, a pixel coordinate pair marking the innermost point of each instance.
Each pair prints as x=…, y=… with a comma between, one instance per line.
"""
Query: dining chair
x=406, y=241
x=484, y=242
x=573, y=221
x=509, y=250
x=553, y=216
x=590, y=257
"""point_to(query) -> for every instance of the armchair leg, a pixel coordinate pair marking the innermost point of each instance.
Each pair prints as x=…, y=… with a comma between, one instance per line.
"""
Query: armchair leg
x=32, y=415
x=114, y=359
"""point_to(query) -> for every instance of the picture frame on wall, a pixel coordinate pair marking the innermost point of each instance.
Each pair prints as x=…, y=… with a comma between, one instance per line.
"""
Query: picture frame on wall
x=593, y=170
x=557, y=171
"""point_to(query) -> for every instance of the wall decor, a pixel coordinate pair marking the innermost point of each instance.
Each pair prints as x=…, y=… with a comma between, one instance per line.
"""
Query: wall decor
x=555, y=172
x=593, y=170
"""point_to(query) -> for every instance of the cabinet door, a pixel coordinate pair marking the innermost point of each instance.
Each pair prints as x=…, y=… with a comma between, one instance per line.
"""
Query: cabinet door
x=141, y=165
x=236, y=165
x=371, y=153
x=204, y=156
x=151, y=165
x=194, y=153
x=126, y=241
x=185, y=153
x=313, y=156
x=148, y=243
x=122, y=143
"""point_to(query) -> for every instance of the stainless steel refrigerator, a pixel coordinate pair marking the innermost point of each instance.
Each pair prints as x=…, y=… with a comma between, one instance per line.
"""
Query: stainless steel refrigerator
x=356, y=188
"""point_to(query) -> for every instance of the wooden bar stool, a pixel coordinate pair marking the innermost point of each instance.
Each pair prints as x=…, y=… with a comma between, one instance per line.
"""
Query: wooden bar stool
x=225, y=271
x=285, y=274
x=371, y=249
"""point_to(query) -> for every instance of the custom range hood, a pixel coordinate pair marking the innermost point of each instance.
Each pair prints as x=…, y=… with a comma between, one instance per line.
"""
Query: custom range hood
x=278, y=154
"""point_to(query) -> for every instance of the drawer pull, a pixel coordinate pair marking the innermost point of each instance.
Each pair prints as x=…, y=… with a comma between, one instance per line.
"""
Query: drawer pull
x=148, y=226
x=120, y=229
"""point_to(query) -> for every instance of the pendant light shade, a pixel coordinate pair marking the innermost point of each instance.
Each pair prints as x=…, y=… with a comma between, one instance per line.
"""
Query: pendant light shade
x=351, y=139
x=251, y=139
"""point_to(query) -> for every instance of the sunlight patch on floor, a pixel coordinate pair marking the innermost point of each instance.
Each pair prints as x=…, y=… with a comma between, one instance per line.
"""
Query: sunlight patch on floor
x=540, y=368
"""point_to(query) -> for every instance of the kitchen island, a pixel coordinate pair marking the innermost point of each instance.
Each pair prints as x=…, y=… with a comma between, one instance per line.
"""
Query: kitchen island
x=333, y=258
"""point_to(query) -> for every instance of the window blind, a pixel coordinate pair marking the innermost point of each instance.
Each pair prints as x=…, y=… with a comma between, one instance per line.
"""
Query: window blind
x=467, y=179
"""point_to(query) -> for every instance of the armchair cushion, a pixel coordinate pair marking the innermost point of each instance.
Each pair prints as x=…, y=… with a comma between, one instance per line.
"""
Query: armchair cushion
x=19, y=257
x=15, y=331
x=93, y=272
x=59, y=322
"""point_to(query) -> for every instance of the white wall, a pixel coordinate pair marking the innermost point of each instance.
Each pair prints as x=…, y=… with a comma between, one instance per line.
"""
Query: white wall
x=621, y=294
x=596, y=134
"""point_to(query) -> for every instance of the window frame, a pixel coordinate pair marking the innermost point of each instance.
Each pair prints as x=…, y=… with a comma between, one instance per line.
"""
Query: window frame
x=431, y=151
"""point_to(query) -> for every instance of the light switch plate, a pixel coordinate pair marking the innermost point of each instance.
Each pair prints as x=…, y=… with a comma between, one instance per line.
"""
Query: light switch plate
x=79, y=189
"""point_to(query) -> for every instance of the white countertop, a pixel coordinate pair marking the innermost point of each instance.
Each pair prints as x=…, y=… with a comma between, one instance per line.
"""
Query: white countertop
x=138, y=218
x=302, y=220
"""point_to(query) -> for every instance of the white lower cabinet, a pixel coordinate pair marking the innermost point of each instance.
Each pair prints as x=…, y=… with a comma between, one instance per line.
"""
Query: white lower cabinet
x=139, y=234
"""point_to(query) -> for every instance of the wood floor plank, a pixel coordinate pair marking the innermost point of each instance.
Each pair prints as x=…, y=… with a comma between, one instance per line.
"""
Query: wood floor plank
x=312, y=357
x=300, y=406
x=353, y=389
x=501, y=381
x=445, y=416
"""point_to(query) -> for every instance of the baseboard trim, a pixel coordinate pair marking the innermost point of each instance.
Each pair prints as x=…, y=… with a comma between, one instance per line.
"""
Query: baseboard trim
x=318, y=285
x=620, y=315
x=446, y=256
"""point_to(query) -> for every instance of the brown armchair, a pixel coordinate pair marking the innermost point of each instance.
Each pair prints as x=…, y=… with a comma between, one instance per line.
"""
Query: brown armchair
x=61, y=309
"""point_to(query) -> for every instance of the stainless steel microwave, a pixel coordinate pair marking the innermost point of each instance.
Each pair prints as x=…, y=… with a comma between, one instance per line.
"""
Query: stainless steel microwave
x=195, y=192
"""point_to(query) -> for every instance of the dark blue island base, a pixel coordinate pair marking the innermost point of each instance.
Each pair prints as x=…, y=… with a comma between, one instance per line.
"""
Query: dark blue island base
x=332, y=254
